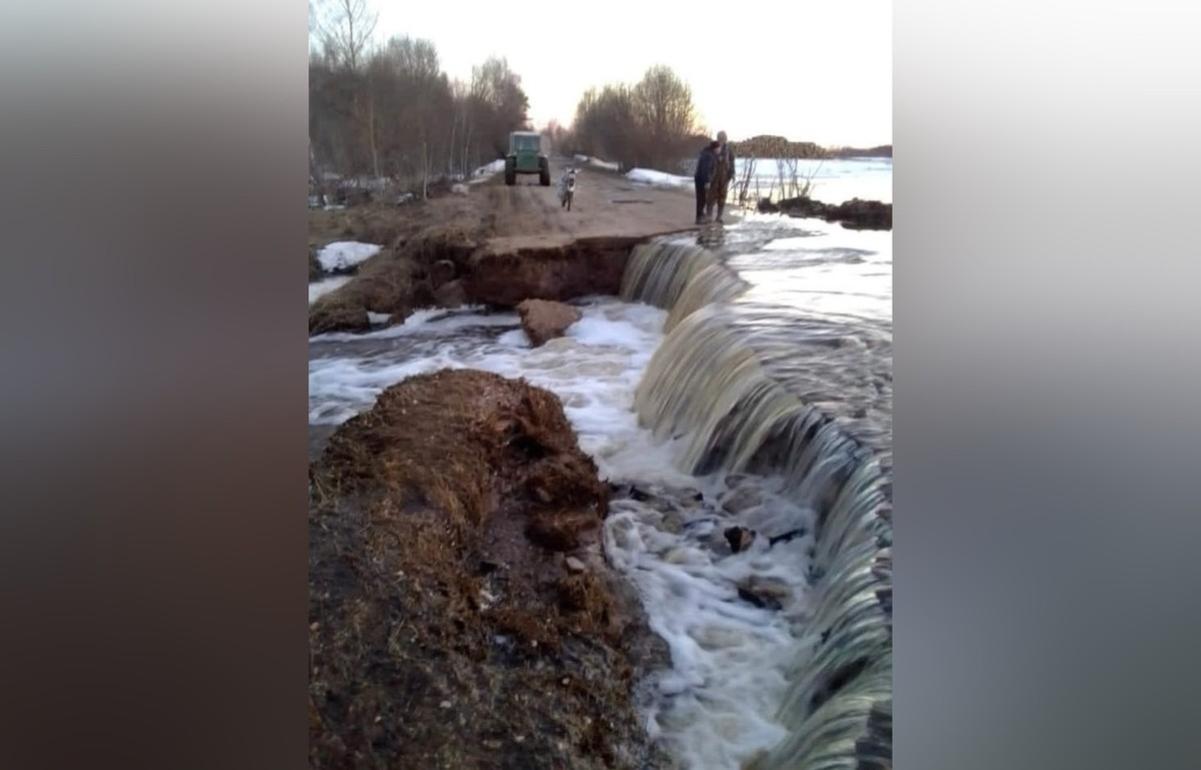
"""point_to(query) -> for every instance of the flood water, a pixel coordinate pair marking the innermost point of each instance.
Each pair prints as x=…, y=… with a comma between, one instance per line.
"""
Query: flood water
x=817, y=315
x=833, y=181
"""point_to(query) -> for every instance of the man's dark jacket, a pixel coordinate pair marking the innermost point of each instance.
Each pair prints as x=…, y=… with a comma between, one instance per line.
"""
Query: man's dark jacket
x=706, y=164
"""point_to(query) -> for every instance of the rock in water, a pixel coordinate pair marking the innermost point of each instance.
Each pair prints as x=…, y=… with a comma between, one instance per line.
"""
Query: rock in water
x=738, y=500
x=739, y=538
x=544, y=320
x=768, y=593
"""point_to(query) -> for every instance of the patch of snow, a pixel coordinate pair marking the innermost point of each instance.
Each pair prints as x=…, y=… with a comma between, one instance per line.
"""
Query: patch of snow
x=325, y=286
x=658, y=178
x=376, y=319
x=487, y=171
x=494, y=167
x=597, y=163
x=343, y=255
x=458, y=189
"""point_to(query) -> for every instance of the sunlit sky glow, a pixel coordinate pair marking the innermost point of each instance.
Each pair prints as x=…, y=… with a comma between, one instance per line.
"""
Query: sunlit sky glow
x=812, y=70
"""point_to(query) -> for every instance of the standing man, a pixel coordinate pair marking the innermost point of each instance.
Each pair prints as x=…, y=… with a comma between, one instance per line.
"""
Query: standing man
x=722, y=174
x=706, y=165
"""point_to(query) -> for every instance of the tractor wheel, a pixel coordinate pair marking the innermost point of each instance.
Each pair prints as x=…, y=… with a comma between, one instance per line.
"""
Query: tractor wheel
x=510, y=173
x=544, y=172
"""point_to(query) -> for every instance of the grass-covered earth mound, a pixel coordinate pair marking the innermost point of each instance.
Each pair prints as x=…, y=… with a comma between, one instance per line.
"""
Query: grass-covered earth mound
x=461, y=614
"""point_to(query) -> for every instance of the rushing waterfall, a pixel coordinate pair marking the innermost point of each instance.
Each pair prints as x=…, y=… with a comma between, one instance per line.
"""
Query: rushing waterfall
x=726, y=385
x=715, y=283
x=679, y=278
x=657, y=272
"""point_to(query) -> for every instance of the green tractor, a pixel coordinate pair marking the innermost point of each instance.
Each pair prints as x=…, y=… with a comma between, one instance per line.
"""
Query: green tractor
x=526, y=157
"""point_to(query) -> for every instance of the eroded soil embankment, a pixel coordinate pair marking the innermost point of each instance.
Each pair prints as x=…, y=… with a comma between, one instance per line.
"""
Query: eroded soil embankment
x=448, y=266
x=421, y=271
x=497, y=245
x=461, y=613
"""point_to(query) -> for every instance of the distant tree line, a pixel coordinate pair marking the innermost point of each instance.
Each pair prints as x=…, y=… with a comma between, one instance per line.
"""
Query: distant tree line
x=651, y=124
x=769, y=146
x=388, y=112
x=880, y=151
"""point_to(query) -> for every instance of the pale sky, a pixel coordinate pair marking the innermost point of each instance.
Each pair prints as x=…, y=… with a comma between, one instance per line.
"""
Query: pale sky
x=811, y=70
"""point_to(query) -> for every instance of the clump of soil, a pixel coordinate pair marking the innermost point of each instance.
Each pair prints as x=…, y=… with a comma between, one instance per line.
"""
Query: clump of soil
x=544, y=320
x=854, y=214
x=447, y=628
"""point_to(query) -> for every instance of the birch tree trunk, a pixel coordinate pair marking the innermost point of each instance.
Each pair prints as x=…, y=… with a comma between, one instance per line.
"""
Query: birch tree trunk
x=371, y=131
x=315, y=173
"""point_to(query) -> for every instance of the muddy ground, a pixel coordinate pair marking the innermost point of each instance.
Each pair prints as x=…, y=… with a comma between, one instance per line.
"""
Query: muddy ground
x=480, y=237
x=461, y=613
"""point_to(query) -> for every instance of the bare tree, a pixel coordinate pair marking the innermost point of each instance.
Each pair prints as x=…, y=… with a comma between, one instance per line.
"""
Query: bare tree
x=663, y=107
x=558, y=138
x=316, y=182
x=397, y=117
x=499, y=103
x=652, y=123
x=345, y=28
x=742, y=185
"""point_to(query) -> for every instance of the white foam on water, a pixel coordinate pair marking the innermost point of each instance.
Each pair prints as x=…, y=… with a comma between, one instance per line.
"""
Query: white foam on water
x=716, y=703
x=429, y=322
x=515, y=338
x=715, y=706
x=340, y=388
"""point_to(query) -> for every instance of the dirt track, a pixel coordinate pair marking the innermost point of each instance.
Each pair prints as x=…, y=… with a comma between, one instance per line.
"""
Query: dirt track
x=526, y=214
x=606, y=204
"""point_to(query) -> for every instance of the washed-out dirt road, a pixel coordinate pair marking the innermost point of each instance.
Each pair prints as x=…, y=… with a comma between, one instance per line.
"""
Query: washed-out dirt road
x=606, y=204
x=495, y=245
